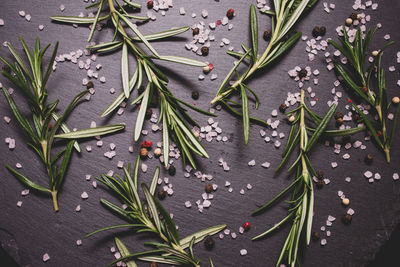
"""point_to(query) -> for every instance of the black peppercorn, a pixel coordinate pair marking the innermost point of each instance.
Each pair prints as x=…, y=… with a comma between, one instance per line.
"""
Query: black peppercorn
x=171, y=170
x=89, y=85
x=346, y=219
x=196, y=31
x=153, y=264
x=162, y=194
x=320, y=184
x=319, y=174
x=316, y=31
x=195, y=95
x=150, y=4
x=283, y=107
x=338, y=115
x=6, y=68
x=369, y=158
x=353, y=16
x=356, y=117
x=204, y=50
x=149, y=112
x=302, y=73
x=209, y=242
x=267, y=35
x=209, y=188
x=316, y=236
x=322, y=31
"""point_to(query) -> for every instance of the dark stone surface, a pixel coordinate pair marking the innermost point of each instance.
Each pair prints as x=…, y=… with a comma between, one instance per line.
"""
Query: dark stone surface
x=34, y=229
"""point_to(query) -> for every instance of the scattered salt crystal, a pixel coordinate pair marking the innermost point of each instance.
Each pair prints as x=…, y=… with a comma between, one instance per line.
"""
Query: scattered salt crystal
x=243, y=252
x=25, y=192
x=84, y=195
x=188, y=204
x=249, y=186
x=28, y=17
x=227, y=183
x=346, y=156
x=41, y=27
x=241, y=191
x=46, y=257
x=377, y=176
x=78, y=208
x=144, y=167
x=252, y=163
x=221, y=236
x=18, y=165
x=182, y=11
x=350, y=211
x=347, y=179
x=368, y=174
x=323, y=242
x=78, y=242
x=233, y=235
x=331, y=218
x=395, y=176
x=19, y=203
x=21, y=13
x=266, y=164
x=62, y=7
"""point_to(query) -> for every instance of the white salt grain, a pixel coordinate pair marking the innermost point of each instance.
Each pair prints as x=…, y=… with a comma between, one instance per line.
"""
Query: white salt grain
x=84, y=195
x=46, y=257
x=252, y=163
x=78, y=242
x=19, y=203
x=243, y=252
x=395, y=176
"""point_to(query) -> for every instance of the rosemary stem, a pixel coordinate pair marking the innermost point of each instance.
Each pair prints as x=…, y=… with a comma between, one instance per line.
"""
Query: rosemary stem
x=257, y=63
x=54, y=196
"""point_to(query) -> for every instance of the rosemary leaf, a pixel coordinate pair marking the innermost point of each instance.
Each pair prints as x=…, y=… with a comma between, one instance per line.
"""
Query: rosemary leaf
x=91, y=132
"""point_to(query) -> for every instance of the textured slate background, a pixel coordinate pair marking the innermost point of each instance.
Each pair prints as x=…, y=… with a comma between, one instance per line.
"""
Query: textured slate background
x=34, y=229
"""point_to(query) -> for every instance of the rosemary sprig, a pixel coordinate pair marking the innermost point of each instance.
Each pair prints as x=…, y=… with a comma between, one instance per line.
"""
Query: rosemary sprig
x=358, y=79
x=149, y=216
x=31, y=79
x=173, y=114
x=302, y=198
x=286, y=13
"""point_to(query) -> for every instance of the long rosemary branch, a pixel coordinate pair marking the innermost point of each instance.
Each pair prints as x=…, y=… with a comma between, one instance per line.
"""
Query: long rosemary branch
x=359, y=80
x=286, y=13
x=150, y=216
x=31, y=80
x=302, y=198
x=173, y=114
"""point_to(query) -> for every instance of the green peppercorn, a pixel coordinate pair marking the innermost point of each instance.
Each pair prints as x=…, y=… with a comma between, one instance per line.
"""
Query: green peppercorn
x=89, y=85
x=204, y=50
x=195, y=95
x=209, y=188
x=162, y=194
x=209, y=242
x=369, y=159
x=171, y=170
x=283, y=107
x=316, y=236
x=346, y=219
x=267, y=35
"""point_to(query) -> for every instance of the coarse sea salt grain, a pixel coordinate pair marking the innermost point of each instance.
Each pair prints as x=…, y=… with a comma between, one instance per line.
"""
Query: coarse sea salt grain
x=243, y=252
x=252, y=163
x=78, y=242
x=46, y=257
x=84, y=195
x=395, y=176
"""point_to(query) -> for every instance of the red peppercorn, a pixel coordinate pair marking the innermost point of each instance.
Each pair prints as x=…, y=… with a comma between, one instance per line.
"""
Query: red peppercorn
x=219, y=22
x=150, y=4
x=147, y=144
x=230, y=13
x=50, y=125
x=349, y=100
x=211, y=66
x=246, y=226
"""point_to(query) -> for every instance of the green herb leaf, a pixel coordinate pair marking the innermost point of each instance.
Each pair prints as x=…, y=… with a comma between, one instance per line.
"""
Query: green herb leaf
x=183, y=60
x=27, y=181
x=125, y=70
x=91, y=132
x=77, y=20
x=200, y=235
x=142, y=112
x=246, y=117
x=163, y=34
x=124, y=252
x=254, y=31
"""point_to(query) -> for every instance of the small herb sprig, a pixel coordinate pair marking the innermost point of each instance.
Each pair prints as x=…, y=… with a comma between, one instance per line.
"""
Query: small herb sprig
x=31, y=79
x=149, y=216
x=286, y=13
x=302, y=198
x=358, y=79
x=173, y=114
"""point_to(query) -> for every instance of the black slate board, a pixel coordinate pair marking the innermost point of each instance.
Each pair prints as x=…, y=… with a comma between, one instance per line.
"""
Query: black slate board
x=34, y=229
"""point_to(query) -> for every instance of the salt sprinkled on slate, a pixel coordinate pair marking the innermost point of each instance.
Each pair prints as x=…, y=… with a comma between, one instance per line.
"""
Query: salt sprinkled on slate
x=19, y=203
x=78, y=208
x=1, y=22
x=395, y=176
x=243, y=252
x=46, y=257
x=84, y=195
